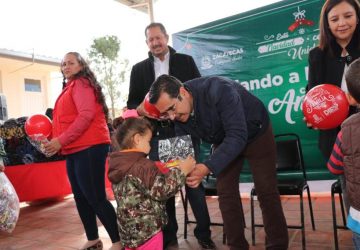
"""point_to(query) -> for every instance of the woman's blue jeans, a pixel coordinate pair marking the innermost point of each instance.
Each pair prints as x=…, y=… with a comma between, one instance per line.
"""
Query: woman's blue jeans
x=86, y=172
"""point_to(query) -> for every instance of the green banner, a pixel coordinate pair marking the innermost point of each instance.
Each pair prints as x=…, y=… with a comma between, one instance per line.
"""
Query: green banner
x=266, y=51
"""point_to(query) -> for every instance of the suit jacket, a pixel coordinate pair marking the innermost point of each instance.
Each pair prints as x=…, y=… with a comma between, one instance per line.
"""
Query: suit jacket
x=225, y=114
x=142, y=75
x=328, y=67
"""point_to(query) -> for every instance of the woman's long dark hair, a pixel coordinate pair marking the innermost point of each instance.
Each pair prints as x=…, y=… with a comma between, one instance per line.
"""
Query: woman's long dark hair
x=326, y=37
x=88, y=74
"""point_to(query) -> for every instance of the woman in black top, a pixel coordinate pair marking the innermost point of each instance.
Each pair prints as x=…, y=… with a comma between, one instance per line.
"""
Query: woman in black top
x=339, y=45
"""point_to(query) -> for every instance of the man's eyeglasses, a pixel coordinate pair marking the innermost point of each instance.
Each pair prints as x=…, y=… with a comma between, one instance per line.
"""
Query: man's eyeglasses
x=171, y=111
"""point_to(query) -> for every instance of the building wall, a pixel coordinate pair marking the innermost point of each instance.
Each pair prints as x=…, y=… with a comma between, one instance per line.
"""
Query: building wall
x=13, y=73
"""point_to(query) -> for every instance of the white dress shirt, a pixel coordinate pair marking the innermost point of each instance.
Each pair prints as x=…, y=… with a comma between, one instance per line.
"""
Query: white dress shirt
x=161, y=67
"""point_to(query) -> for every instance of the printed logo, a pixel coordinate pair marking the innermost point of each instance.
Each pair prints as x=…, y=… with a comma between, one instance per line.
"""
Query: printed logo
x=300, y=20
x=206, y=62
x=221, y=57
x=282, y=43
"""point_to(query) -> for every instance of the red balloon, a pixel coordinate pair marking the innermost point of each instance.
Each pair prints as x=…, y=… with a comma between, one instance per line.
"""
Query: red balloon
x=325, y=106
x=150, y=108
x=38, y=125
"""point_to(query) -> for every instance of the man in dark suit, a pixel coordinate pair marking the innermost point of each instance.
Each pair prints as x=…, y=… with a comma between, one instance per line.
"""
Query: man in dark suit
x=165, y=60
x=221, y=112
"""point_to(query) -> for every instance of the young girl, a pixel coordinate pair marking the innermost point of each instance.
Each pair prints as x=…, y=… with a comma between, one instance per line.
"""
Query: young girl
x=140, y=189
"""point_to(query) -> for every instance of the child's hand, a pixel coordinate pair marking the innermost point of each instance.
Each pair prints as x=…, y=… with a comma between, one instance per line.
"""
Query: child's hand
x=2, y=168
x=187, y=165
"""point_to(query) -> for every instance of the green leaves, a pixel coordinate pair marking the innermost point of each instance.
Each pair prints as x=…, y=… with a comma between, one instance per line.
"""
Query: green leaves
x=109, y=68
x=106, y=48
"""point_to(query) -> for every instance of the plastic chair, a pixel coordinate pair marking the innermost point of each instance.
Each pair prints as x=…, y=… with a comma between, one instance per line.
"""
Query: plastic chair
x=336, y=189
x=292, y=179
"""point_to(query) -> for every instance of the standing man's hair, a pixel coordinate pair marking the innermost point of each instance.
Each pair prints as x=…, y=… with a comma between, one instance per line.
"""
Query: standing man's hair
x=352, y=78
x=164, y=83
x=153, y=25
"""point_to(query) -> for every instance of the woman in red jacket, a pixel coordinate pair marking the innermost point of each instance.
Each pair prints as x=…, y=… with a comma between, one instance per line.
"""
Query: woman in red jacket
x=81, y=134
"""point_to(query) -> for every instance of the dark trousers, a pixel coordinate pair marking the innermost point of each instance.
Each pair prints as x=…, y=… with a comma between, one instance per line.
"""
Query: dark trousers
x=199, y=207
x=86, y=172
x=196, y=196
x=261, y=155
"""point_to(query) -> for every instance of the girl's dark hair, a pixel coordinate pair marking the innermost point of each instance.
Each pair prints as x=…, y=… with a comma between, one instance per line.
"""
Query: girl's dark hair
x=87, y=73
x=125, y=131
x=326, y=37
x=117, y=121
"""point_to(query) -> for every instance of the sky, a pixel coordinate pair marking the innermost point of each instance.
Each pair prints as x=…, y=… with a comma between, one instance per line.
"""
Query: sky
x=191, y=13
x=54, y=27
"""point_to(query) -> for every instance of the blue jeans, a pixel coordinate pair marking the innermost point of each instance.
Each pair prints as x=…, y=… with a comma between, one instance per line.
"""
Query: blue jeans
x=86, y=173
x=196, y=196
x=356, y=240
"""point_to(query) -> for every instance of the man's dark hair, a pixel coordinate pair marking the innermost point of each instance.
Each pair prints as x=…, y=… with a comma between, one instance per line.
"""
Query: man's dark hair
x=352, y=78
x=153, y=25
x=164, y=83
